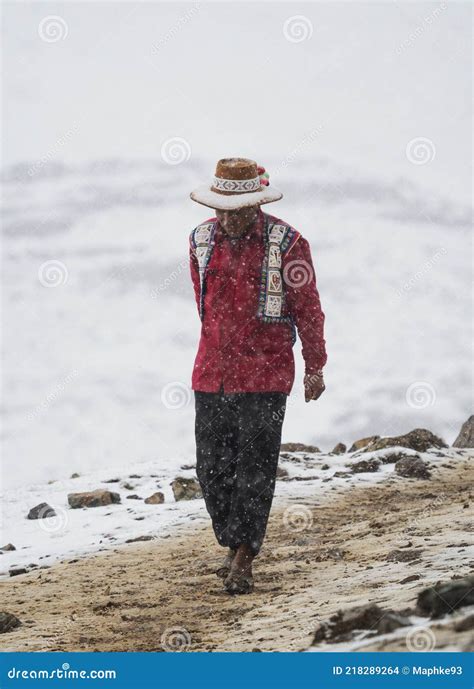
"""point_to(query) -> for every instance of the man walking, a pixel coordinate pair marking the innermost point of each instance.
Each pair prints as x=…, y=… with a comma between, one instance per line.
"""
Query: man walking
x=255, y=285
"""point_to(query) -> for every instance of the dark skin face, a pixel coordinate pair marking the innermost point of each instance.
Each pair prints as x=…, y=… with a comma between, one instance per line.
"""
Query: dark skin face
x=235, y=223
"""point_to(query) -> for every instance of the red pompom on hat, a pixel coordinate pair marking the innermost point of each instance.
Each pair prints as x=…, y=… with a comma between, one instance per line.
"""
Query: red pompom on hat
x=263, y=176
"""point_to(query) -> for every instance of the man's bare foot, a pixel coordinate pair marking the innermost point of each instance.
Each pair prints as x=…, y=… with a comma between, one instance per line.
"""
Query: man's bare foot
x=223, y=571
x=239, y=579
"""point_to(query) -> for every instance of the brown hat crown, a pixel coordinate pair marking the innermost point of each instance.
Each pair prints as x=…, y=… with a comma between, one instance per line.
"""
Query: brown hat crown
x=236, y=176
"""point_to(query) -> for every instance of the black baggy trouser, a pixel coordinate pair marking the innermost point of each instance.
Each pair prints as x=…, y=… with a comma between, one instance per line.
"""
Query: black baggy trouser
x=238, y=438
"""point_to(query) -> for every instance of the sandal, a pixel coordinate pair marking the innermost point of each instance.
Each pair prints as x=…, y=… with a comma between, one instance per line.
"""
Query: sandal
x=235, y=584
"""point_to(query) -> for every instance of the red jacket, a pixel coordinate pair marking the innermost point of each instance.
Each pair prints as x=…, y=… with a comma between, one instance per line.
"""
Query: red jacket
x=238, y=350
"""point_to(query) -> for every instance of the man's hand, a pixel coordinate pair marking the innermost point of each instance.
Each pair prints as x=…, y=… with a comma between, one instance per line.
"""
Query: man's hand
x=313, y=386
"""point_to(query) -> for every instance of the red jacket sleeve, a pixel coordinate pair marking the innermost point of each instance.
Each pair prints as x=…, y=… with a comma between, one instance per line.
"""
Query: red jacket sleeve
x=303, y=301
x=194, y=268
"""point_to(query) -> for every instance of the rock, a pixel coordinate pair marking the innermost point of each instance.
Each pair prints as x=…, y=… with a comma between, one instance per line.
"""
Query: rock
x=447, y=596
x=325, y=467
x=363, y=442
x=366, y=465
x=8, y=622
x=469, y=647
x=412, y=577
x=75, y=475
x=111, y=480
x=465, y=625
x=8, y=546
x=134, y=496
x=155, y=499
x=139, y=538
x=335, y=553
x=187, y=467
x=128, y=486
x=93, y=498
x=394, y=457
x=339, y=449
x=186, y=488
x=15, y=571
x=281, y=472
x=466, y=434
x=390, y=621
x=41, y=511
x=135, y=476
x=404, y=555
x=342, y=474
x=419, y=440
x=412, y=467
x=298, y=447
x=343, y=624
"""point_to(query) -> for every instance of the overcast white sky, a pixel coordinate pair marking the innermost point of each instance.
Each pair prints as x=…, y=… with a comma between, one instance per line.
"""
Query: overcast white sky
x=366, y=80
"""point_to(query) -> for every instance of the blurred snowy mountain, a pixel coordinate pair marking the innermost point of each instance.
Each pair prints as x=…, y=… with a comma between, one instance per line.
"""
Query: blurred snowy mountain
x=102, y=327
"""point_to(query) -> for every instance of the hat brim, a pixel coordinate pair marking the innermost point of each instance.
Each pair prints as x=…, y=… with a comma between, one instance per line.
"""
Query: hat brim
x=227, y=202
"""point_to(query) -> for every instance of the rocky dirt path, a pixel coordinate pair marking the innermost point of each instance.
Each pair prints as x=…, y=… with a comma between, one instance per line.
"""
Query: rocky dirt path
x=320, y=556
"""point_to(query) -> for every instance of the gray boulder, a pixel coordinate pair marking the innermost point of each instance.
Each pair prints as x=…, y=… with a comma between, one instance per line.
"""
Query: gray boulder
x=298, y=447
x=8, y=622
x=41, y=511
x=419, y=440
x=412, y=467
x=186, y=488
x=343, y=625
x=366, y=465
x=363, y=442
x=404, y=555
x=466, y=434
x=446, y=596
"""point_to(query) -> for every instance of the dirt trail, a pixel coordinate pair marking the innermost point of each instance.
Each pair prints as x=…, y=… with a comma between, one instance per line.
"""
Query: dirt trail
x=320, y=555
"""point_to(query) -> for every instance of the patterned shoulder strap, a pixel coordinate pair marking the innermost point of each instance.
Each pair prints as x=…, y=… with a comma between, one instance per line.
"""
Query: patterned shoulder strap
x=279, y=237
x=281, y=233
x=202, y=241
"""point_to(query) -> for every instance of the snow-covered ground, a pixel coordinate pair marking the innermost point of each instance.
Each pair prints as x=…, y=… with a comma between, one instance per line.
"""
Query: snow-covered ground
x=75, y=532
